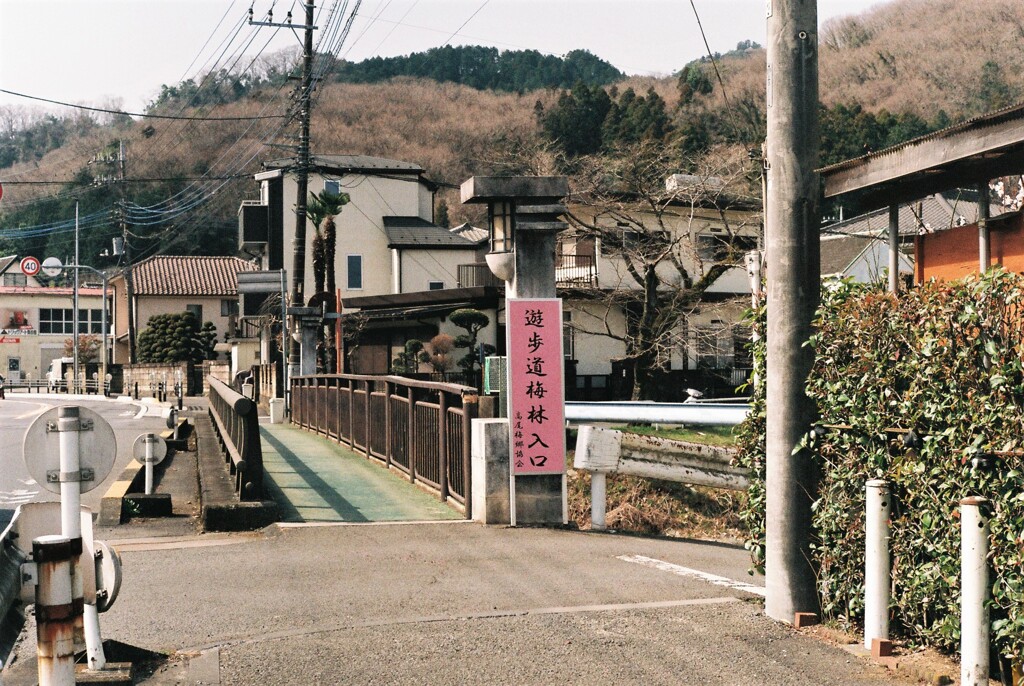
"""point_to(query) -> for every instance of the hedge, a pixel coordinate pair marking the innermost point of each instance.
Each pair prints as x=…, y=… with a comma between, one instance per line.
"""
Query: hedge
x=944, y=361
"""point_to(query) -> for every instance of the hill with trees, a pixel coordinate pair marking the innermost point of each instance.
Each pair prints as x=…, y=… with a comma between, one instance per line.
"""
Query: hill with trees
x=896, y=71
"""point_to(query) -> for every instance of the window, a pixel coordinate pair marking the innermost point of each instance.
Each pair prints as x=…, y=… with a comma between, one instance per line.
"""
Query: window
x=228, y=307
x=197, y=312
x=435, y=285
x=58, y=320
x=724, y=248
x=332, y=187
x=355, y=272
x=15, y=280
x=714, y=346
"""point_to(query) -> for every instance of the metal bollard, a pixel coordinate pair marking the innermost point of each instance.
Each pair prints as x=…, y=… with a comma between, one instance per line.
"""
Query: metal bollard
x=877, y=572
x=597, y=501
x=56, y=611
x=974, y=619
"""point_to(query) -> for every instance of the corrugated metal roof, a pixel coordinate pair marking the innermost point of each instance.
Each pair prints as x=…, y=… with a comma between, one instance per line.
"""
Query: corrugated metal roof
x=414, y=232
x=1005, y=114
x=188, y=275
x=349, y=163
x=932, y=213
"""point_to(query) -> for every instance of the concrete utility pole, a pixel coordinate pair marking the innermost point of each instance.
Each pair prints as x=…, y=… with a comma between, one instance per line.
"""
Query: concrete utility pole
x=302, y=180
x=793, y=271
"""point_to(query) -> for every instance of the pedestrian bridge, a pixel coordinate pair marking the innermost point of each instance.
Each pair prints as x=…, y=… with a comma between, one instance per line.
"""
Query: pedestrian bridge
x=315, y=479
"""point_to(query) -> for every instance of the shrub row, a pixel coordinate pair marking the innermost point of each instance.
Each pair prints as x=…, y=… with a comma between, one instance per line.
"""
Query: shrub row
x=943, y=360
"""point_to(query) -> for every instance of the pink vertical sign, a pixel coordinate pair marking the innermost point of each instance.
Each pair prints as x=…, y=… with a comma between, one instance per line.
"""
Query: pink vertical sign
x=537, y=391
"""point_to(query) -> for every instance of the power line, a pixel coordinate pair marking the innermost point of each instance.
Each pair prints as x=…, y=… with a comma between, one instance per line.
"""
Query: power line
x=136, y=114
x=714, y=63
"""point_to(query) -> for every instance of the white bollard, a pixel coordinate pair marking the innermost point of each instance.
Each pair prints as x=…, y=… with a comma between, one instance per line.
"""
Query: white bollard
x=597, y=501
x=974, y=620
x=150, y=458
x=69, y=425
x=877, y=572
x=56, y=611
x=95, y=658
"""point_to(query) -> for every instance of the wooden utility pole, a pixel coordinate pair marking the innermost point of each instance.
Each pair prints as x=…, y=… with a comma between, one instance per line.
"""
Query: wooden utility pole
x=794, y=277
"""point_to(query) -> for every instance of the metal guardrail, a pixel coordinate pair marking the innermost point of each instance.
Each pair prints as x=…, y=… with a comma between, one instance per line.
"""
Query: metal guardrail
x=421, y=428
x=88, y=386
x=236, y=420
x=721, y=414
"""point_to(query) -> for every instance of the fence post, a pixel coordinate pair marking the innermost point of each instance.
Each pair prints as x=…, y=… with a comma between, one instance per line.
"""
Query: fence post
x=470, y=407
x=598, y=499
x=352, y=414
x=877, y=573
x=412, y=436
x=974, y=619
x=56, y=611
x=387, y=424
x=368, y=387
x=442, y=442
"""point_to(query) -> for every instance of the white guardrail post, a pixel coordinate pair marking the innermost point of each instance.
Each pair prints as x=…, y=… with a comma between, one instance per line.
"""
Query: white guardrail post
x=877, y=573
x=974, y=624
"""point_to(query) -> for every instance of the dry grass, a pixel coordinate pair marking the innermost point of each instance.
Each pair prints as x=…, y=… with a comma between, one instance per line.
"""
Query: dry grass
x=660, y=507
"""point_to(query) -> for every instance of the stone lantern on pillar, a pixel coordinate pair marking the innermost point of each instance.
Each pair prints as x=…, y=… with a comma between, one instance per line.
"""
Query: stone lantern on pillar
x=524, y=218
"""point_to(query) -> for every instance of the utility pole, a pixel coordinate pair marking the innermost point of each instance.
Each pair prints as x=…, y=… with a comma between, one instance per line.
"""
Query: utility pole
x=301, y=172
x=794, y=280
x=129, y=286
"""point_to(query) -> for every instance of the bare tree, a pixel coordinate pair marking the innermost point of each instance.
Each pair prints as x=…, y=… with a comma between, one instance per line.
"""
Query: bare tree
x=666, y=239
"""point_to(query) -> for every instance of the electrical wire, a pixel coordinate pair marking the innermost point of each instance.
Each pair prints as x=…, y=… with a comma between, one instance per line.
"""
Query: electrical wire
x=129, y=114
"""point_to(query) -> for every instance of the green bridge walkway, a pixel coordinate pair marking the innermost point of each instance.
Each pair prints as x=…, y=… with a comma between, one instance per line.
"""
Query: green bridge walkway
x=314, y=479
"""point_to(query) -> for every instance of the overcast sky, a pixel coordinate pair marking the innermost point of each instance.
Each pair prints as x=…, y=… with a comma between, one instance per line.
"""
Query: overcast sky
x=91, y=51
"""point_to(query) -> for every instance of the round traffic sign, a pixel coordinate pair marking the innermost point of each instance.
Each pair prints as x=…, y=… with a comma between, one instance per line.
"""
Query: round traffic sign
x=97, y=448
x=29, y=266
x=108, y=575
x=52, y=266
x=159, y=449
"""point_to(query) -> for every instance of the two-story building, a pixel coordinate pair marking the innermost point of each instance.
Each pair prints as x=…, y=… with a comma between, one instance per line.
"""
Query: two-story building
x=387, y=246
x=37, y=321
x=168, y=284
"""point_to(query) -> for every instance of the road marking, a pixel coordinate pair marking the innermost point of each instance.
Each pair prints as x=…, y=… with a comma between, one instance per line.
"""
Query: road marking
x=693, y=574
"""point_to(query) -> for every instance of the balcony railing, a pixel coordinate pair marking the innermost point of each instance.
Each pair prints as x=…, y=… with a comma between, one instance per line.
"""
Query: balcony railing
x=575, y=271
x=477, y=275
x=578, y=271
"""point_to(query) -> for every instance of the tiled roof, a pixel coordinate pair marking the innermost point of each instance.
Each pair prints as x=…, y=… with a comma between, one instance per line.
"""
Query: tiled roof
x=188, y=275
x=413, y=232
x=470, y=232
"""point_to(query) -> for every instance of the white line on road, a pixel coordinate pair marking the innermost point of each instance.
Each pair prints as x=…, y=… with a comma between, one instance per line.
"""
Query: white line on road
x=693, y=573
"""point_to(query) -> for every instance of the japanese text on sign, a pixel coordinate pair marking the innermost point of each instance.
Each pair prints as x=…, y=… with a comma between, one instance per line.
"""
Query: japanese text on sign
x=537, y=393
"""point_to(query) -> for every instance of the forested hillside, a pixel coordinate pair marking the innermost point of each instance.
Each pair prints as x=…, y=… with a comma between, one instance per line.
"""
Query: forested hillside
x=899, y=70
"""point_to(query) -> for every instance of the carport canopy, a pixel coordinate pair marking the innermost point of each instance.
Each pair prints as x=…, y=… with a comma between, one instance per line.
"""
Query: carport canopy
x=960, y=156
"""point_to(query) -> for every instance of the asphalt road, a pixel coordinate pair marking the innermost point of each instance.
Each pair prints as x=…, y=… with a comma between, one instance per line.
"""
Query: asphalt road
x=18, y=411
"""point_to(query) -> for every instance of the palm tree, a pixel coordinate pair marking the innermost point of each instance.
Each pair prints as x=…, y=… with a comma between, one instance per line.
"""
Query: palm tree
x=321, y=209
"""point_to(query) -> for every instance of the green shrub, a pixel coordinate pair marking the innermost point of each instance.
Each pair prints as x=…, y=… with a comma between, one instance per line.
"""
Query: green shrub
x=943, y=360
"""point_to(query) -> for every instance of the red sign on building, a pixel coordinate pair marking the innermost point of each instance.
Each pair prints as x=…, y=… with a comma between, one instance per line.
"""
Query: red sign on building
x=537, y=391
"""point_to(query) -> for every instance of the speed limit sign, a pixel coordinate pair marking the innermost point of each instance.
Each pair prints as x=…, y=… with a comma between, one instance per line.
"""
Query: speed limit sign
x=29, y=266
